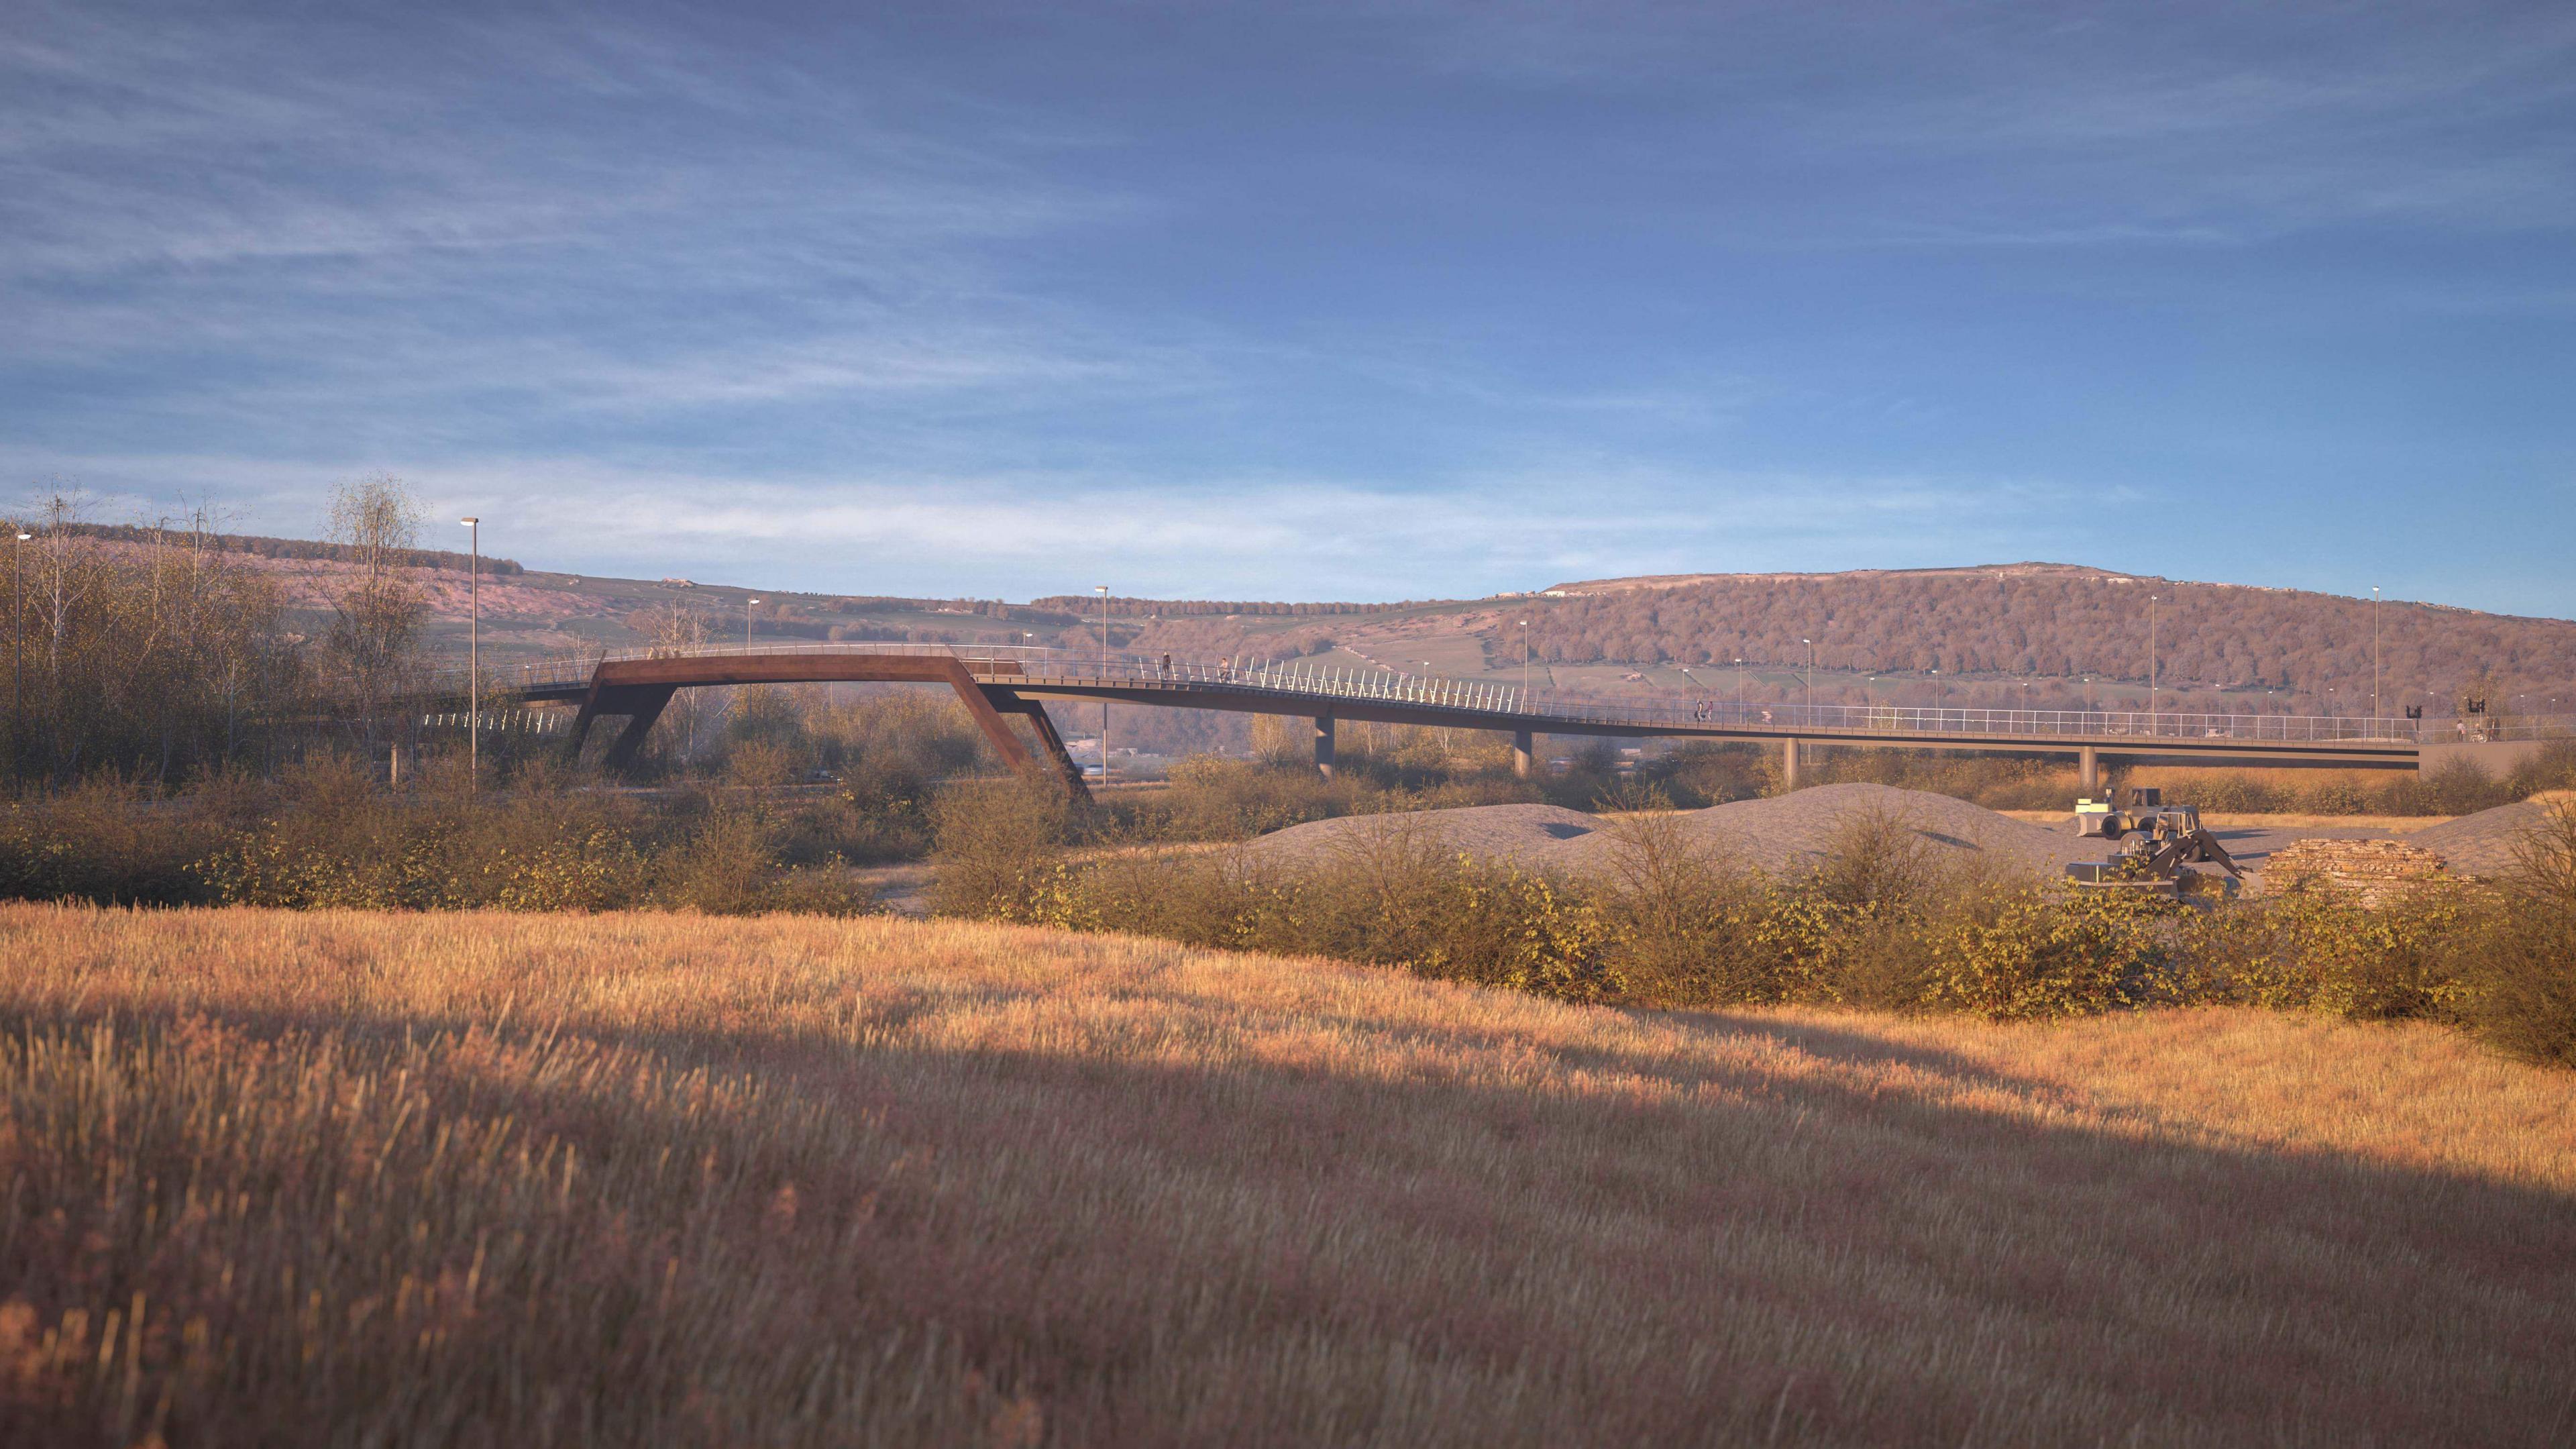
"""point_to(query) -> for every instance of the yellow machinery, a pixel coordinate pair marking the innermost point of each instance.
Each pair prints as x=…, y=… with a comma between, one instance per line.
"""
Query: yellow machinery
x=2161, y=840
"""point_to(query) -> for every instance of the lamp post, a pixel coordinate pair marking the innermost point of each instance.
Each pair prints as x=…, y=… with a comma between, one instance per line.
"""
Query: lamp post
x=747, y=606
x=1103, y=591
x=1739, y=686
x=17, y=636
x=1807, y=691
x=1525, y=663
x=2151, y=664
x=2374, y=657
x=474, y=658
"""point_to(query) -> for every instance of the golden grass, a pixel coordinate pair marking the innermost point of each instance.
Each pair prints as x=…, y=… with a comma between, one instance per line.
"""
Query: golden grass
x=484, y=1179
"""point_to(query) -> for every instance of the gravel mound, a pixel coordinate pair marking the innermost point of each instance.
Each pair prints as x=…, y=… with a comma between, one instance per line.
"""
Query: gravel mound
x=2482, y=844
x=1792, y=833
x=1526, y=835
x=1785, y=834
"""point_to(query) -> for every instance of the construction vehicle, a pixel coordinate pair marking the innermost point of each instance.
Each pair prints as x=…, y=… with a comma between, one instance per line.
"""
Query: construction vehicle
x=2161, y=840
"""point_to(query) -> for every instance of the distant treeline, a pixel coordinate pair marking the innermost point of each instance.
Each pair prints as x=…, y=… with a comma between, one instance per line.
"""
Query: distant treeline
x=1036, y=613
x=1188, y=608
x=296, y=548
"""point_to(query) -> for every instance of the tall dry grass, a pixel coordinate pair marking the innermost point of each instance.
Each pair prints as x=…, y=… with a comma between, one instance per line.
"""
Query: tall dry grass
x=483, y=1179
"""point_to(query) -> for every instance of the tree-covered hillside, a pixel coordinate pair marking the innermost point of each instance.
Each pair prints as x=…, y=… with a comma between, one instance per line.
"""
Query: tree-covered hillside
x=2062, y=624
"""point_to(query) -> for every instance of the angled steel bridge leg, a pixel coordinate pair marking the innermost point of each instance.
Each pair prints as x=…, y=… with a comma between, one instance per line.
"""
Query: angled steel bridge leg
x=580, y=732
x=1004, y=701
x=643, y=705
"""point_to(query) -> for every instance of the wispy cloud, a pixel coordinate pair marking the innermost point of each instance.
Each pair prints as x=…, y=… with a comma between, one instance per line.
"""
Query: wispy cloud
x=1410, y=298
x=2065, y=126
x=1002, y=533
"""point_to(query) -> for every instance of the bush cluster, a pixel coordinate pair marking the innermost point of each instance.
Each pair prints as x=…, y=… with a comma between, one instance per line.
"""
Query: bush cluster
x=2457, y=788
x=1875, y=923
x=1218, y=799
x=327, y=834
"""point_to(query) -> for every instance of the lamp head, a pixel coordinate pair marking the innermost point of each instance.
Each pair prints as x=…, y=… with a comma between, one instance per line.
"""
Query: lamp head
x=469, y=522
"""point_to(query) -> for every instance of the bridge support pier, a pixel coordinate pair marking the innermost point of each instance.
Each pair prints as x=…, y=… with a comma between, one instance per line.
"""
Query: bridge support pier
x=2089, y=767
x=1522, y=745
x=1789, y=764
x=1324, y=745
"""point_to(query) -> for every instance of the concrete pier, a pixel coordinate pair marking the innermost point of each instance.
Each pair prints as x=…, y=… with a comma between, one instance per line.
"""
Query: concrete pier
x=1521, y=748
x=1324, y=745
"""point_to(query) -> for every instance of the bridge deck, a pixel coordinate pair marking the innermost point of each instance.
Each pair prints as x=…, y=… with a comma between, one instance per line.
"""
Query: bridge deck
x=1008, y=680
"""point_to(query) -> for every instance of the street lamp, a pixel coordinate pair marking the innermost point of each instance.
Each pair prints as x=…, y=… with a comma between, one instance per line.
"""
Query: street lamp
x=747, y=606
x=2374, y=654
x=17, y=637
x=2151, y=664
x=1525, y=663
x=1807, y=691
x=474, y=658
x=1103, y=591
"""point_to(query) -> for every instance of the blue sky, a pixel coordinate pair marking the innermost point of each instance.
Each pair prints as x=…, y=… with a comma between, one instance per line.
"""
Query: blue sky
x=1370, y=301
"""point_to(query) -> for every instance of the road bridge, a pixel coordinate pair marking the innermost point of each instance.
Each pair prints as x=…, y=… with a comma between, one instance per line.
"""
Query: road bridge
x=996, y=682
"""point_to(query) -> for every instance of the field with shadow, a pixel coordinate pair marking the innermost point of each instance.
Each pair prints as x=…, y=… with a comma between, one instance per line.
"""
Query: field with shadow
x=331, y=1177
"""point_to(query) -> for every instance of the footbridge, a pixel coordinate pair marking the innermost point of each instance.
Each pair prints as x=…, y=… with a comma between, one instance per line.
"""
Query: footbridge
x=998, y=682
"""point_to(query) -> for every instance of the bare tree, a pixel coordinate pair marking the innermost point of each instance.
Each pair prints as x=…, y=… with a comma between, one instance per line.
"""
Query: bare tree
x=690, y=711
x=152, y=653
x=374, y=641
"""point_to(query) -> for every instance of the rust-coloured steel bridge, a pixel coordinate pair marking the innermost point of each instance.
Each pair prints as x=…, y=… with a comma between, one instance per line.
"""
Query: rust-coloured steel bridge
x=997, y=682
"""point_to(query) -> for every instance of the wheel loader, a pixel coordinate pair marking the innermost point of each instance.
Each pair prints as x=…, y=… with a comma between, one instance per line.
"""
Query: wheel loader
x=2160, y=841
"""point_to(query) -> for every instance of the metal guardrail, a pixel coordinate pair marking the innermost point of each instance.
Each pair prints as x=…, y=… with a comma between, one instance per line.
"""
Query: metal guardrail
x=1299, y=679
x=499, y=721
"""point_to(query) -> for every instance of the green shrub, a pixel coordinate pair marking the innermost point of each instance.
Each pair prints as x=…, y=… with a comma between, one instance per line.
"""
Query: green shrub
x=1393, y=897
x=2020, y=952
x=1397, y=895
x=1684, y=923
x=2519, y=957
x=105, y=840
x=2334, y=797
x=2319, y=947
x=995, y=842
x=1877, y=861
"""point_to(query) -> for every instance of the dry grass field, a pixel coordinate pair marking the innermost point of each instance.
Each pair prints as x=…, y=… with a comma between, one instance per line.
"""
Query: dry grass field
x=484, y=1180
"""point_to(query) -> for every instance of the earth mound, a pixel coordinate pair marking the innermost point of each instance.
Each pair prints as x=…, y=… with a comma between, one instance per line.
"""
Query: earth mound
x=2482, y=844
x=1784, y=834
x=1524, y=835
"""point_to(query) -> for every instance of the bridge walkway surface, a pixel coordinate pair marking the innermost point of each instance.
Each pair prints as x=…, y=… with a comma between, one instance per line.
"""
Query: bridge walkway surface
x=998, y=681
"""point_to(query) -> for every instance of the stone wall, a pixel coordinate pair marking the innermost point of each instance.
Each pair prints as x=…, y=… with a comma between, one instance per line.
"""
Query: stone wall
x=2373, y=870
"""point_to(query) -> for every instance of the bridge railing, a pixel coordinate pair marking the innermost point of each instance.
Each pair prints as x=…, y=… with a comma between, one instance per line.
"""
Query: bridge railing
x=566, y=670
x=1303, y=679
x=1327, y=682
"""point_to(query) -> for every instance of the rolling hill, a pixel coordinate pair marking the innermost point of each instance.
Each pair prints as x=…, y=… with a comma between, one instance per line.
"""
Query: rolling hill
x=2041, y=634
